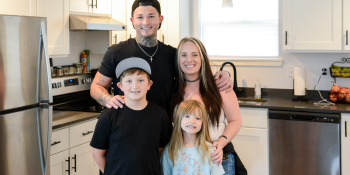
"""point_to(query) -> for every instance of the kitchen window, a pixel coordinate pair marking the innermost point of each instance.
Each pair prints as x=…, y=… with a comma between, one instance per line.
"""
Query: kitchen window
x=245, y=33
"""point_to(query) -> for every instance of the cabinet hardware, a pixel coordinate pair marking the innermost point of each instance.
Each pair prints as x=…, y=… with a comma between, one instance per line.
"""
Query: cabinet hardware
x=347, y=38
x=89, y=132
x=75, y=162
x=92, y=4
x=286, y=38
x=346, y=129
x=115, y=38
x=130, y=36
x=96, y=4
x=163, y=38
x=68, y=165
x=55, y=143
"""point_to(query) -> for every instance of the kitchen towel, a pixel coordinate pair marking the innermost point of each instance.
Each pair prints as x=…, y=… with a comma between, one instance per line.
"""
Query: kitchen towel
x=299, y=81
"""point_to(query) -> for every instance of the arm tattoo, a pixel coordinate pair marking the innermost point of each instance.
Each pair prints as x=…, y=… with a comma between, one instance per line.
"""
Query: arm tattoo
x=101, y=95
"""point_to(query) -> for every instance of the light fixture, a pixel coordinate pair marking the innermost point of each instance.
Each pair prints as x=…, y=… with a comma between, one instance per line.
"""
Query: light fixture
x=227, y=3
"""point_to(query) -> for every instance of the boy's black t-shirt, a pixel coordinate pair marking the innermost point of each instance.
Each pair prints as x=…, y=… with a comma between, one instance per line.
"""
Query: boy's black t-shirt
x=132, y=139
x=162, y=67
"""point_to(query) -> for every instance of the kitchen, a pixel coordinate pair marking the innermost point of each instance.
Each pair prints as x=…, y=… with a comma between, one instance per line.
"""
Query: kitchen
x=65, y=47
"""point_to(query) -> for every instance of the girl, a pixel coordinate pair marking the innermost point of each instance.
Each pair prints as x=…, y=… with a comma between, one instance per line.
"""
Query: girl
x=189, y=149
x=195, y=81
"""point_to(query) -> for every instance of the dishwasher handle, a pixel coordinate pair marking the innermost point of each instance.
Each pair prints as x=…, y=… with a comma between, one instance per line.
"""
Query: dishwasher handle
x=303, y=117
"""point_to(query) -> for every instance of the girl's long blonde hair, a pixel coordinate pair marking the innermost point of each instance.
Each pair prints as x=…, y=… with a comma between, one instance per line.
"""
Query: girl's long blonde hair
x=177, y=139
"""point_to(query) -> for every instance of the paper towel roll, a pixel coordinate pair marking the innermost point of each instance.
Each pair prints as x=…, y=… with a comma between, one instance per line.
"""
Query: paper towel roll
x=299, y=81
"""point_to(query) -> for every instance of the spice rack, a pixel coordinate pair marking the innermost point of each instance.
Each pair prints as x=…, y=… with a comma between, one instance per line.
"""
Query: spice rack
x=340, y=71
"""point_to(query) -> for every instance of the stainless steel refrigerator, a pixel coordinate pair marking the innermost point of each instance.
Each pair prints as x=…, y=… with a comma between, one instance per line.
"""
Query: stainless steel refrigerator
x=25, y=96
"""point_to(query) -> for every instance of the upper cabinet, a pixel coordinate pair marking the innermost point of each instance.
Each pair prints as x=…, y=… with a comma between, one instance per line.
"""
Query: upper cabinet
x=91, y=6
x=119, y=14
x=169, y=33
x=57, y=13
x=314, y=25
x=19, y=7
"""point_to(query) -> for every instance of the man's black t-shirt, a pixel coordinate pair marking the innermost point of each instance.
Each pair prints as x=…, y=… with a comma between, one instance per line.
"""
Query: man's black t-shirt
x=132, y=139
x=162, y=67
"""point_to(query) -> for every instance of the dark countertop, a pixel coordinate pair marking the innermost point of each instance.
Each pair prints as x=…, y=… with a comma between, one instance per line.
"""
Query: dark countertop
x=289, y=105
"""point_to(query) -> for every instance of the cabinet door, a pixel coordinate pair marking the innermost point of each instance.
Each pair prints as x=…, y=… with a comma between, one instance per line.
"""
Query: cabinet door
x=251, y=145
x=84, y=6
x=119, y=14
x=345, y=144
x=102, y=7
x=57, y=13
x=130, y=31
x=346, y=25
x=19, y=7
x=82, y=162
x=170, y=30
x=59, y=163
x=313, y=25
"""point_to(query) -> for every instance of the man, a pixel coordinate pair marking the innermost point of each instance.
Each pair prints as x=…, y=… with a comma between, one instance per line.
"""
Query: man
x=146, y=19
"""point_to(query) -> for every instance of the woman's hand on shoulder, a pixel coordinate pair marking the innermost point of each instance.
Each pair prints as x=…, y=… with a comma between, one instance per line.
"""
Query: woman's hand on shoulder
x=217, y=155
x=224, y=81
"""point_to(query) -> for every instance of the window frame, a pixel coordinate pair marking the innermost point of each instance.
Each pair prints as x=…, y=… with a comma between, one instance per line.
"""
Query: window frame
x=237, y=60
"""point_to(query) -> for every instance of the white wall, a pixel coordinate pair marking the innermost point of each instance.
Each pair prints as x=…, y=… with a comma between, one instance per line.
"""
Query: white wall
x=276, y=77
x=78, y=43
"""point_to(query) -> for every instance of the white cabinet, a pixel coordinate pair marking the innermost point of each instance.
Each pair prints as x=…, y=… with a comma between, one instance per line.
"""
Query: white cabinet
x=346, y=25
x=345, y=144
x=170, y=31
x=130, y=31
x=19, y=7
x=72, y=145
x=91, y=6
x=251, y=142
x=59, y=163
x=57, y=13
x=313, y=25
x=119, y=14
x=82, y=161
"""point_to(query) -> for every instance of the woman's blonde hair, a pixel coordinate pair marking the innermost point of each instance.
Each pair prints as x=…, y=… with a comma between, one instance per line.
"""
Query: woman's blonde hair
x=176, y=143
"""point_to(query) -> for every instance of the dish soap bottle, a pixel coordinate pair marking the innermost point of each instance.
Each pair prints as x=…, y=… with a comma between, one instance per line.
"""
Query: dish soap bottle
x=257, y=90
x=83, y=61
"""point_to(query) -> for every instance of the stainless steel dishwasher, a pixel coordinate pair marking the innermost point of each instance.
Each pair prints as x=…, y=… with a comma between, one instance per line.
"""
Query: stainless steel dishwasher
x=303, y=143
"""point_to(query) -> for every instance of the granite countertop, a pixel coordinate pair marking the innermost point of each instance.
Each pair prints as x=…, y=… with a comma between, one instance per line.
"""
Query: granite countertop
x=287, y=104
x=66, y=118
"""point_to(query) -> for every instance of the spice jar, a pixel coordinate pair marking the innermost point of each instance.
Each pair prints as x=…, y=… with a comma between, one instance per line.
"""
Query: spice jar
x=65, y=70
x=79, y=68
x=75, y=68
x=71, y=70
x=59, y=71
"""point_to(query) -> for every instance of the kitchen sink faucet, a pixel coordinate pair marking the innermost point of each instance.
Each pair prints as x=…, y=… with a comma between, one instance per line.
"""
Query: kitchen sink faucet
x=235, y=87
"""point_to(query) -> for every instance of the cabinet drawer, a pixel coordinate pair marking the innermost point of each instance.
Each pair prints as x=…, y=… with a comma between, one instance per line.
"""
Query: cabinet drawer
x=254, y=117
x=59, y=140
x=81, y=133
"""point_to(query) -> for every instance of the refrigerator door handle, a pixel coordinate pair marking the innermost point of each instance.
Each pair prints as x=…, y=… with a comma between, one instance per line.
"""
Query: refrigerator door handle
x=45, y=125
x=47, y=72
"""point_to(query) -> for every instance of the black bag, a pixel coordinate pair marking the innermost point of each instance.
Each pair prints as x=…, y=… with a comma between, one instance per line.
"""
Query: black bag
x=239, y=167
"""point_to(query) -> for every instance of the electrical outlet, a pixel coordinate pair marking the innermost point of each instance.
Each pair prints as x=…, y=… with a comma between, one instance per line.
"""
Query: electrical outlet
x=290, y=70
x=324, y=71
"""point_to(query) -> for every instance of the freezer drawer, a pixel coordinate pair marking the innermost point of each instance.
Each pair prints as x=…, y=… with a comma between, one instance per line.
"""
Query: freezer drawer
x=25, y=138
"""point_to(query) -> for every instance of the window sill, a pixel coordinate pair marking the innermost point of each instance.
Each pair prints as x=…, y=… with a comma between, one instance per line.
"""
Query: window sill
x=251, y=62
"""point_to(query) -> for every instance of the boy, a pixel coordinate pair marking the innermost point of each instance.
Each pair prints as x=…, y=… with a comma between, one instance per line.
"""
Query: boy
x=127, y=141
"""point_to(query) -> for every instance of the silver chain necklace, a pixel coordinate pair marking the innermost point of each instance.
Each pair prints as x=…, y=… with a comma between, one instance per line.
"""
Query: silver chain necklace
x=146, y=53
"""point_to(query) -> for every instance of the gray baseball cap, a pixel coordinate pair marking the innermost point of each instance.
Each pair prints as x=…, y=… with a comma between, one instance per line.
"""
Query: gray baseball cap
x=133, y=62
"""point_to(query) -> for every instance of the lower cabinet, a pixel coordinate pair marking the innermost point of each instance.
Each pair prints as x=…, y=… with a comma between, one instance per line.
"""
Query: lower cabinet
x=251, y=142
x=345, y=144
x=76, y=159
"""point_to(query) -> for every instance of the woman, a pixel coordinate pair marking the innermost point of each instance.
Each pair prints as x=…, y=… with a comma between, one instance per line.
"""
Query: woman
x=195, y=81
